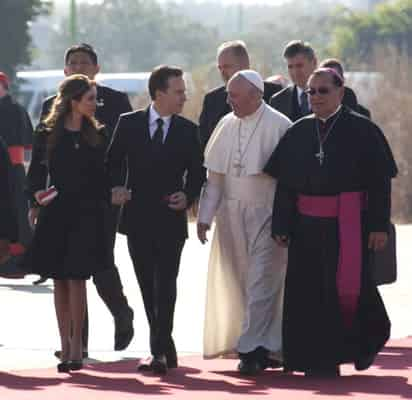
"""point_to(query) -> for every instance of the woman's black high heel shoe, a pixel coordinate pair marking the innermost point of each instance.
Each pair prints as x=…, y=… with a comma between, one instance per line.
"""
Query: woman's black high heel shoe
x=76, y=365
x=63, y=367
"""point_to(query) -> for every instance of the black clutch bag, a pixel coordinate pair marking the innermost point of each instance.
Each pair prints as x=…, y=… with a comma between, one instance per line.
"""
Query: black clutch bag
x=382, y=263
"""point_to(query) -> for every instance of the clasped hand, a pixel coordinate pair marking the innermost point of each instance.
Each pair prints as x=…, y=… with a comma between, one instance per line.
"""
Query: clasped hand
x=120, y=195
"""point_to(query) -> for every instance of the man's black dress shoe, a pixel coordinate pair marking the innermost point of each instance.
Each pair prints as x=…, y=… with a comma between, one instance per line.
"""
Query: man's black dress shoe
x=159, y=365
x=76, y=365
x=364, y=363
x=249, y=368
x=58, y=354
x=171, y=363
x=270, y=363
x=147, y=366
x=123, y=331
x=39, y=281
x=63, y=366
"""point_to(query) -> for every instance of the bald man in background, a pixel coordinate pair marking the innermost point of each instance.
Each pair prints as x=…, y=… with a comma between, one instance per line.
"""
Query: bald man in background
x=232, y=57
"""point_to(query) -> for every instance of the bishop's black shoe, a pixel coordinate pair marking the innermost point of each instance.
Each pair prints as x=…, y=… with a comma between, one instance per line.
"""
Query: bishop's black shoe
x=364, y=362
x=332, y=372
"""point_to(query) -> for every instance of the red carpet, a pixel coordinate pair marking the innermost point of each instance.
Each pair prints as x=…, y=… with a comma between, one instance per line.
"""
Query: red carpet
x=390, y=378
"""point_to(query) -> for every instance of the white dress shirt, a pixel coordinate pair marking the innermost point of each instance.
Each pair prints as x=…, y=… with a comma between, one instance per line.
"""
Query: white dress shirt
x=153, y=117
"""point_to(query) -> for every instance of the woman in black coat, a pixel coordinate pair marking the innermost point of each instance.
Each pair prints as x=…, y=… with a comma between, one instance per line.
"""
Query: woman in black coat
x=70, y=241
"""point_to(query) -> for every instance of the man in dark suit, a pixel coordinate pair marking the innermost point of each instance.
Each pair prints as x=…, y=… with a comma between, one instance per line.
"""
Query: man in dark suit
x=301, y=62
x=349, y=96
x=8, y=218
x=231, y=58
x=82, y=59
x=165, y=177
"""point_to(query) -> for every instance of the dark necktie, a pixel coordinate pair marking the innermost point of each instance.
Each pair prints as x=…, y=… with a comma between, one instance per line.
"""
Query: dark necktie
x=304, y=104
x=157, y=139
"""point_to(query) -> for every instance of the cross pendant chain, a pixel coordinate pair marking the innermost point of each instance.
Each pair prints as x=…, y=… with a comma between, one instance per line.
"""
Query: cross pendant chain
x=320, y=156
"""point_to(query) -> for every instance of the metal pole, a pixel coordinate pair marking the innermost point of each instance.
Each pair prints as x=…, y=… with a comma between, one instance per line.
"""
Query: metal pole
x=73, y=21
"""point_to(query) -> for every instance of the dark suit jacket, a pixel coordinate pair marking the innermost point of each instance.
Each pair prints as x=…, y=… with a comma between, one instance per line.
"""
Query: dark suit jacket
x=111, y=103
x=350, y=100
x=215, y=107
x=8, y=220
x=152, y=177
x=286, y=102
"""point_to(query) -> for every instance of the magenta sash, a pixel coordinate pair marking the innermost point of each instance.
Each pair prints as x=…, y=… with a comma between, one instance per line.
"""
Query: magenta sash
x=347, y=208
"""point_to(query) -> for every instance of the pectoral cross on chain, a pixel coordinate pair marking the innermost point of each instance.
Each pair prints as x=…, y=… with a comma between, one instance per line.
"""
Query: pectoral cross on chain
x=320, y=156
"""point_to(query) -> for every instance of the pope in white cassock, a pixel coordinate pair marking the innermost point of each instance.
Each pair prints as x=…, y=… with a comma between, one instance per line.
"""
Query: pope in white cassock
x=246, y=269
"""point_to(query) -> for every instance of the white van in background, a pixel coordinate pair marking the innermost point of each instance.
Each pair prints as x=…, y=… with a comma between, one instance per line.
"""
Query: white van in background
x=35, y=86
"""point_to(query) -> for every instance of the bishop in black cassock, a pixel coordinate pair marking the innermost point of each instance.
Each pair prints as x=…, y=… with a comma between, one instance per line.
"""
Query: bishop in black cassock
x=326, y=163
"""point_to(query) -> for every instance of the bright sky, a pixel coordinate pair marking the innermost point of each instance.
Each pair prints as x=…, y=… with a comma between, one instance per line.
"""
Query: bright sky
x=246, y=2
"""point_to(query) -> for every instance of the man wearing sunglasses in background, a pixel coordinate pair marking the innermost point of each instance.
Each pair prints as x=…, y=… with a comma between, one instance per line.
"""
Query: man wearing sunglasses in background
x=332, y=210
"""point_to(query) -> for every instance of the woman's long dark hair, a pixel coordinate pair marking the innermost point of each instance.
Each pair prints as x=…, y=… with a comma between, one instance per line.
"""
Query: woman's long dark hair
x=74, y=87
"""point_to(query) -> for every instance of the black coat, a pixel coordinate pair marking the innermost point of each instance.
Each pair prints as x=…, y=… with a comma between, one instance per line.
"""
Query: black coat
x=286, y=102
x=15, y=125
x=110, y=104
x=152, y=177
x=215, y=107
x=350, y=100
x=8, y=220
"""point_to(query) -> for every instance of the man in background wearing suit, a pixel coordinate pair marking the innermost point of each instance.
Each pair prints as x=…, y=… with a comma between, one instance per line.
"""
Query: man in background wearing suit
x=82, y=59
x=165, y=177
x=293, y=100
x=349, y=97
x=231, y=58
x=8, y=218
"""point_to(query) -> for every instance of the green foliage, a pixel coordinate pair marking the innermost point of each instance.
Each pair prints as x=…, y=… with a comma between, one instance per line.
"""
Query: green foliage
x=136, y=35
x=15, y=17
x=359, y=34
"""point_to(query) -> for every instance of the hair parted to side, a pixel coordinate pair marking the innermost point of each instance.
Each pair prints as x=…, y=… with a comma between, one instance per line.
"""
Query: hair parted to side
x=333, y=63
x=159, y=78
x=74, y=87
x=237, y=47
x=82, y=47
x=296, y=47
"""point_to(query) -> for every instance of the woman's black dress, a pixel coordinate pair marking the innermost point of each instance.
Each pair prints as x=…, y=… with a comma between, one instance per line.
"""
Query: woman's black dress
x=71, y=240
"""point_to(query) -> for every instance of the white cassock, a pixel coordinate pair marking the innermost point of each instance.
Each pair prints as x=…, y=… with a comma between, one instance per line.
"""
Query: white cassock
x=246, y=268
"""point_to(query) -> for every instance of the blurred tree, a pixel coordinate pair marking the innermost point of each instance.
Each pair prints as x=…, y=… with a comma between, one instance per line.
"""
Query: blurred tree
x=359, y=34
x=15, y=17
x=136, y=35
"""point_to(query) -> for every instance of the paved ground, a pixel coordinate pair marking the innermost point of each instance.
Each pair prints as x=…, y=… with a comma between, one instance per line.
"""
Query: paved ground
x=28, y=333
